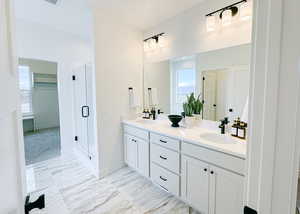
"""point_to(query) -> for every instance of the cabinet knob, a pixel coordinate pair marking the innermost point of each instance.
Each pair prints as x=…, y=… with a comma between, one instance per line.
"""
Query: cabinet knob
x=212, y=172
x=205, y=170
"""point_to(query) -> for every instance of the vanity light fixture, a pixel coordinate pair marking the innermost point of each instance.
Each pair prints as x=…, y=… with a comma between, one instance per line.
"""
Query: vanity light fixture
x=226, y=14
x=246, y=11
x=154, y=42
x=210, y=23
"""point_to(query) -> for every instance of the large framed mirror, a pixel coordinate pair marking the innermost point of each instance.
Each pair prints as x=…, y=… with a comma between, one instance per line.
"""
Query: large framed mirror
x=220, y=77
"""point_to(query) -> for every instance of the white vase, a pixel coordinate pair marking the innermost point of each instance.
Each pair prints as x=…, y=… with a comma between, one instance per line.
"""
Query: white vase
x=198, y=116
x=189, y=121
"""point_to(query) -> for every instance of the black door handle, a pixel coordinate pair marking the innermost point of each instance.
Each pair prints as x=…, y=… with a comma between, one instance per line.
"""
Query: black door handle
x=162, y=157
x=83, y=112
x=164, y=179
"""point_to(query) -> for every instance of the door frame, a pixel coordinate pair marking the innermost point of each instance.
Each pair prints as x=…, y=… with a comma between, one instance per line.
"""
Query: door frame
x=274, y=106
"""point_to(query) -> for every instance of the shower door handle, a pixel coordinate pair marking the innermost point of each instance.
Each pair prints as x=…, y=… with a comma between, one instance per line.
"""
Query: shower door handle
x=85, y=111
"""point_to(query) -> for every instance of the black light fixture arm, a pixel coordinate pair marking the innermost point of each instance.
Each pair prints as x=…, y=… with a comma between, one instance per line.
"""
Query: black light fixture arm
x=226, y=8
x=154, y=37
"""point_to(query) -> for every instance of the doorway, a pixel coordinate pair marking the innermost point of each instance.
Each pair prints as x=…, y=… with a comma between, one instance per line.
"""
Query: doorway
x=40, y=109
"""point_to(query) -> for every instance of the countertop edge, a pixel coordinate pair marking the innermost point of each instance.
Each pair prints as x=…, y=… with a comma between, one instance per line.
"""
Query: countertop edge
x=186, y=140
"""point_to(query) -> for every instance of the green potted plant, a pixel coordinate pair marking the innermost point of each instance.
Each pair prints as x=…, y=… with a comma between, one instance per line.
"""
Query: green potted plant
x=198, y=107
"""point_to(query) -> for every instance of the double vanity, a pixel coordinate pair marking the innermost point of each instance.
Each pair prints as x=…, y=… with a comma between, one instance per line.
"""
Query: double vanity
x=198, y=165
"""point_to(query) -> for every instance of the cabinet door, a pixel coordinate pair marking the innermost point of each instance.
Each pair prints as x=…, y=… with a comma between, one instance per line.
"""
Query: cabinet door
x=131, y=151
x=226, y=192
x=195, y=183
x=143, y=157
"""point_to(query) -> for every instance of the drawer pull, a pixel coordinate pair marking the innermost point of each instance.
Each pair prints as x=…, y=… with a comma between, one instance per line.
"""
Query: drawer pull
x=164, y=179
x=133, y=140
x=164, y=188
x=162, y=157
x=163, y=141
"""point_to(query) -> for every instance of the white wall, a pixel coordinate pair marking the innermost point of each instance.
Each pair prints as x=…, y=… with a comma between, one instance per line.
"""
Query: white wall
x=118, y=58
x=38, y=41
x=186, y=33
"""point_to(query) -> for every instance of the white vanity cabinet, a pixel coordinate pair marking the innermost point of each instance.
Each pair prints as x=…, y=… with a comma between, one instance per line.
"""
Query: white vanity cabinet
x=208, y=180
x=195, y=183
x=209, y=189
x=136, y=150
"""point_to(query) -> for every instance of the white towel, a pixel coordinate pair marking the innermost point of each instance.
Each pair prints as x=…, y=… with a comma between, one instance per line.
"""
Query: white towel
x=153, y=97
x=134, y=99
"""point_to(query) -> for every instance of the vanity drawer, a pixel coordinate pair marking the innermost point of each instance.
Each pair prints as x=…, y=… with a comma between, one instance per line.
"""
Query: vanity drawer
x=165, y=141
x=165, y=179
x=165, y=157
x=142, y=134
x=220, y=159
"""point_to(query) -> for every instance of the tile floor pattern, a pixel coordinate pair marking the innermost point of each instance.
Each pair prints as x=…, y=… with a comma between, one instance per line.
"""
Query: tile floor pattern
x=71, y=189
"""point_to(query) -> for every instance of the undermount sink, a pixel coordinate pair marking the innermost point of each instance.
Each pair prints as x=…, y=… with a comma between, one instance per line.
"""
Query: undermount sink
x=218, y=138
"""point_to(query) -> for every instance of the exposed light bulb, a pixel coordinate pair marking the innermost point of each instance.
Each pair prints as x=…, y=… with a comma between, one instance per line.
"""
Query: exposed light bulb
x=210, y=23
x=246, y=11
x=226, y=17
x=152, y=44
x=162, y=41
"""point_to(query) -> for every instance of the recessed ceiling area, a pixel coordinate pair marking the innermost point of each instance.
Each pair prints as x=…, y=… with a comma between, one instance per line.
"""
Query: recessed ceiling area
x=71, y=16
x=144, y=14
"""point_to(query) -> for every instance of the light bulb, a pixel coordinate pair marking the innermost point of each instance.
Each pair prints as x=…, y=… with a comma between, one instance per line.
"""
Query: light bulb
x=210, y=23
x=246, y=11
x=152, y=44
x=226, y=17
x=162, y=41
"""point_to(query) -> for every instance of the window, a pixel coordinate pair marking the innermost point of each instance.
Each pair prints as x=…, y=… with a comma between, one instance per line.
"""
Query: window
x=25, y=84
x=183, y=84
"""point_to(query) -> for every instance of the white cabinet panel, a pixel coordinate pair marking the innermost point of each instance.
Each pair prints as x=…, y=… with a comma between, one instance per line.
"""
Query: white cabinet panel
x=131, y=152
x=165, y=141
x=226, y=192
x=165, y=157
x=195, y=183
x=143, y=157
x=165, y=179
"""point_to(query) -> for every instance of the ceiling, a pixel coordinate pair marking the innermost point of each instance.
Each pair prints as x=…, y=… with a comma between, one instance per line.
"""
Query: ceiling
x=71, y=16
x=145, y=14
x=75, y=16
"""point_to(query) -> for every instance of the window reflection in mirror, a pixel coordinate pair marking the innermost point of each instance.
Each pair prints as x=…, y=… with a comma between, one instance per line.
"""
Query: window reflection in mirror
x=221, y=78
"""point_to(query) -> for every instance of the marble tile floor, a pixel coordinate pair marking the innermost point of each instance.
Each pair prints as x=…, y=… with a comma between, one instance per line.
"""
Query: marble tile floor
x=71, y=189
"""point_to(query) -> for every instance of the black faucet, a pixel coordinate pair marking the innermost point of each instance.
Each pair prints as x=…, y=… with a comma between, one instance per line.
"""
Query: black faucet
x=223, y=124
x=153, y=113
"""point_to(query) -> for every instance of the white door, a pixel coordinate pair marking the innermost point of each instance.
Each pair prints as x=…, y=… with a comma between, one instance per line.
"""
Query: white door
x=195, y=183
x=12, y=163
x=226, y=192
x=209, y=95
x=131, y=151
x=143, y=157
x=81, y=109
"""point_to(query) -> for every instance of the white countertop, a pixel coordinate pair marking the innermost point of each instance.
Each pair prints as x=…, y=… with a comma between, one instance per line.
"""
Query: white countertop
x=192, y=135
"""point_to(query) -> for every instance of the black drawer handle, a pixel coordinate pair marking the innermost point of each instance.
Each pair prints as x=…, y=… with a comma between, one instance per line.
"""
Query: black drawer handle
x=164, y=188
x=205, y=170
x=162, y=157
x=212, y=172
x=133, y=140
x=164, y=179
x=163, y=141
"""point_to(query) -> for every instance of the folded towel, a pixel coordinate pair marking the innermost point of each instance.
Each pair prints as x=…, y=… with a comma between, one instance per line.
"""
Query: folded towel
x=134, y=99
